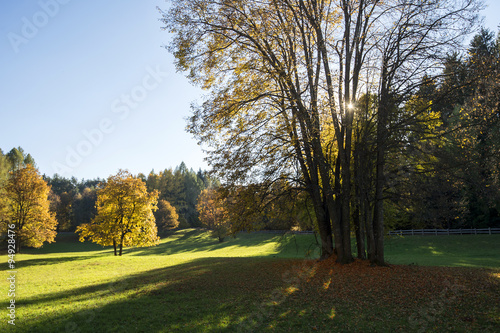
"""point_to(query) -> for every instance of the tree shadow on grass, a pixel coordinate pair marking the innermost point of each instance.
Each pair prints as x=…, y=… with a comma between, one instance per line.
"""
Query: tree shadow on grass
x=66, y=243
x=209, y=294
x=44, y=261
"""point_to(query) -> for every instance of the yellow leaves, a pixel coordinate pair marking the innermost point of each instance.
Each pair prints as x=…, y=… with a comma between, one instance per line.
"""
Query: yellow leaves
x=83, y=231
x=27, y=206
x=124, y=213
x=331, y=315
x=434, y=119
x=327, y=284
x=290, y=290
x=213, y=213
x=166, y=215
x=426, y=120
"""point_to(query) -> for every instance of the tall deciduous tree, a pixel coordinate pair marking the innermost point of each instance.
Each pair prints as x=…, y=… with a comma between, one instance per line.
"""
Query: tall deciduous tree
x=4, y=168
x=281, y=71
x=26, y=206
x=124, y=214
x=213, y=214
x=166, y=215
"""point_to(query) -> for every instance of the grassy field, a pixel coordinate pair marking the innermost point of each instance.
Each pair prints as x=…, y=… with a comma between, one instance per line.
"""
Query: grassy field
x=255, y=283
x=454, y=251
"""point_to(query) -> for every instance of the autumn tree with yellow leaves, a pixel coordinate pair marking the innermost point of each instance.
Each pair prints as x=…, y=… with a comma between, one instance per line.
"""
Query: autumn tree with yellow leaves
x=24, y=208
x=166, y=216
x=124, y=214
x=213, y=214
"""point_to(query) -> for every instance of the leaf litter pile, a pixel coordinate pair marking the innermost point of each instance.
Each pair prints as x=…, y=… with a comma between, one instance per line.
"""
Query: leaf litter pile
x=328, y=297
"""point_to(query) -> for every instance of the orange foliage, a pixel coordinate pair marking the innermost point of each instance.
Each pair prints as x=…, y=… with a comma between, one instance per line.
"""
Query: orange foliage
x=213, y=214
x=26, y=206
x=124, y=214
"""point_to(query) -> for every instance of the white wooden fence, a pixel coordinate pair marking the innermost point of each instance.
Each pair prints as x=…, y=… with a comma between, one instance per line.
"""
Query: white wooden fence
x=414, y=232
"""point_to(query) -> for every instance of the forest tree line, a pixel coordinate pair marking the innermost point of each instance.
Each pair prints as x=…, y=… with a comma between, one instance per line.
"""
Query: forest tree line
x=74, y=201
x=445, y=171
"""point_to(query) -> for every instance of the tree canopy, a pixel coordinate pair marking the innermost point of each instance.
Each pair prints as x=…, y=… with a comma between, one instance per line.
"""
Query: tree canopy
x=124, y=214
x=166, y=216
x=24, y=205
x=213, y=213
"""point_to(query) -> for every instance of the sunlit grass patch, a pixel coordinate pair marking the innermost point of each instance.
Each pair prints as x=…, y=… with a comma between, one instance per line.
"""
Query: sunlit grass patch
x=290, y=290
x=331, y=315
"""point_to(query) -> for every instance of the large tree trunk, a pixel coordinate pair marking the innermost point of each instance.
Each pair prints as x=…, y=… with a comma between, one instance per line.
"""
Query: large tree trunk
x=345, y=199
x=346, y=216
x=359, y=230
x=336, y=214
x=18, y=245
x=339, y=214
x=220, y=236
x=325, y=230
x=370, y=236
x=121, y=245
x=345, y=145
x=324, y=214
x=359, y=226
x=378, y=213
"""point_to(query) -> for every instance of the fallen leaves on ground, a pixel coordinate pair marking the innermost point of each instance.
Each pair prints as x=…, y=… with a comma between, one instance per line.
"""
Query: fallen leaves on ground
x=419, y=298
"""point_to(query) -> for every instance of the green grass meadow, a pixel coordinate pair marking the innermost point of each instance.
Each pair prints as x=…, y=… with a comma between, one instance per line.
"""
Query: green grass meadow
x=452, y=251
x=252, y=283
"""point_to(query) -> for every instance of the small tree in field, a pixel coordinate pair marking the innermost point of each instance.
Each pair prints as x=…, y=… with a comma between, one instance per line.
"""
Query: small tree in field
x=166, y=216
x=213, y=214
x=24, y=208
x=124, y=214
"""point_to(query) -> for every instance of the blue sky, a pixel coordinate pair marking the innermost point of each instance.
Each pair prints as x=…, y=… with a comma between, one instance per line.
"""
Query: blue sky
x=87, y=89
